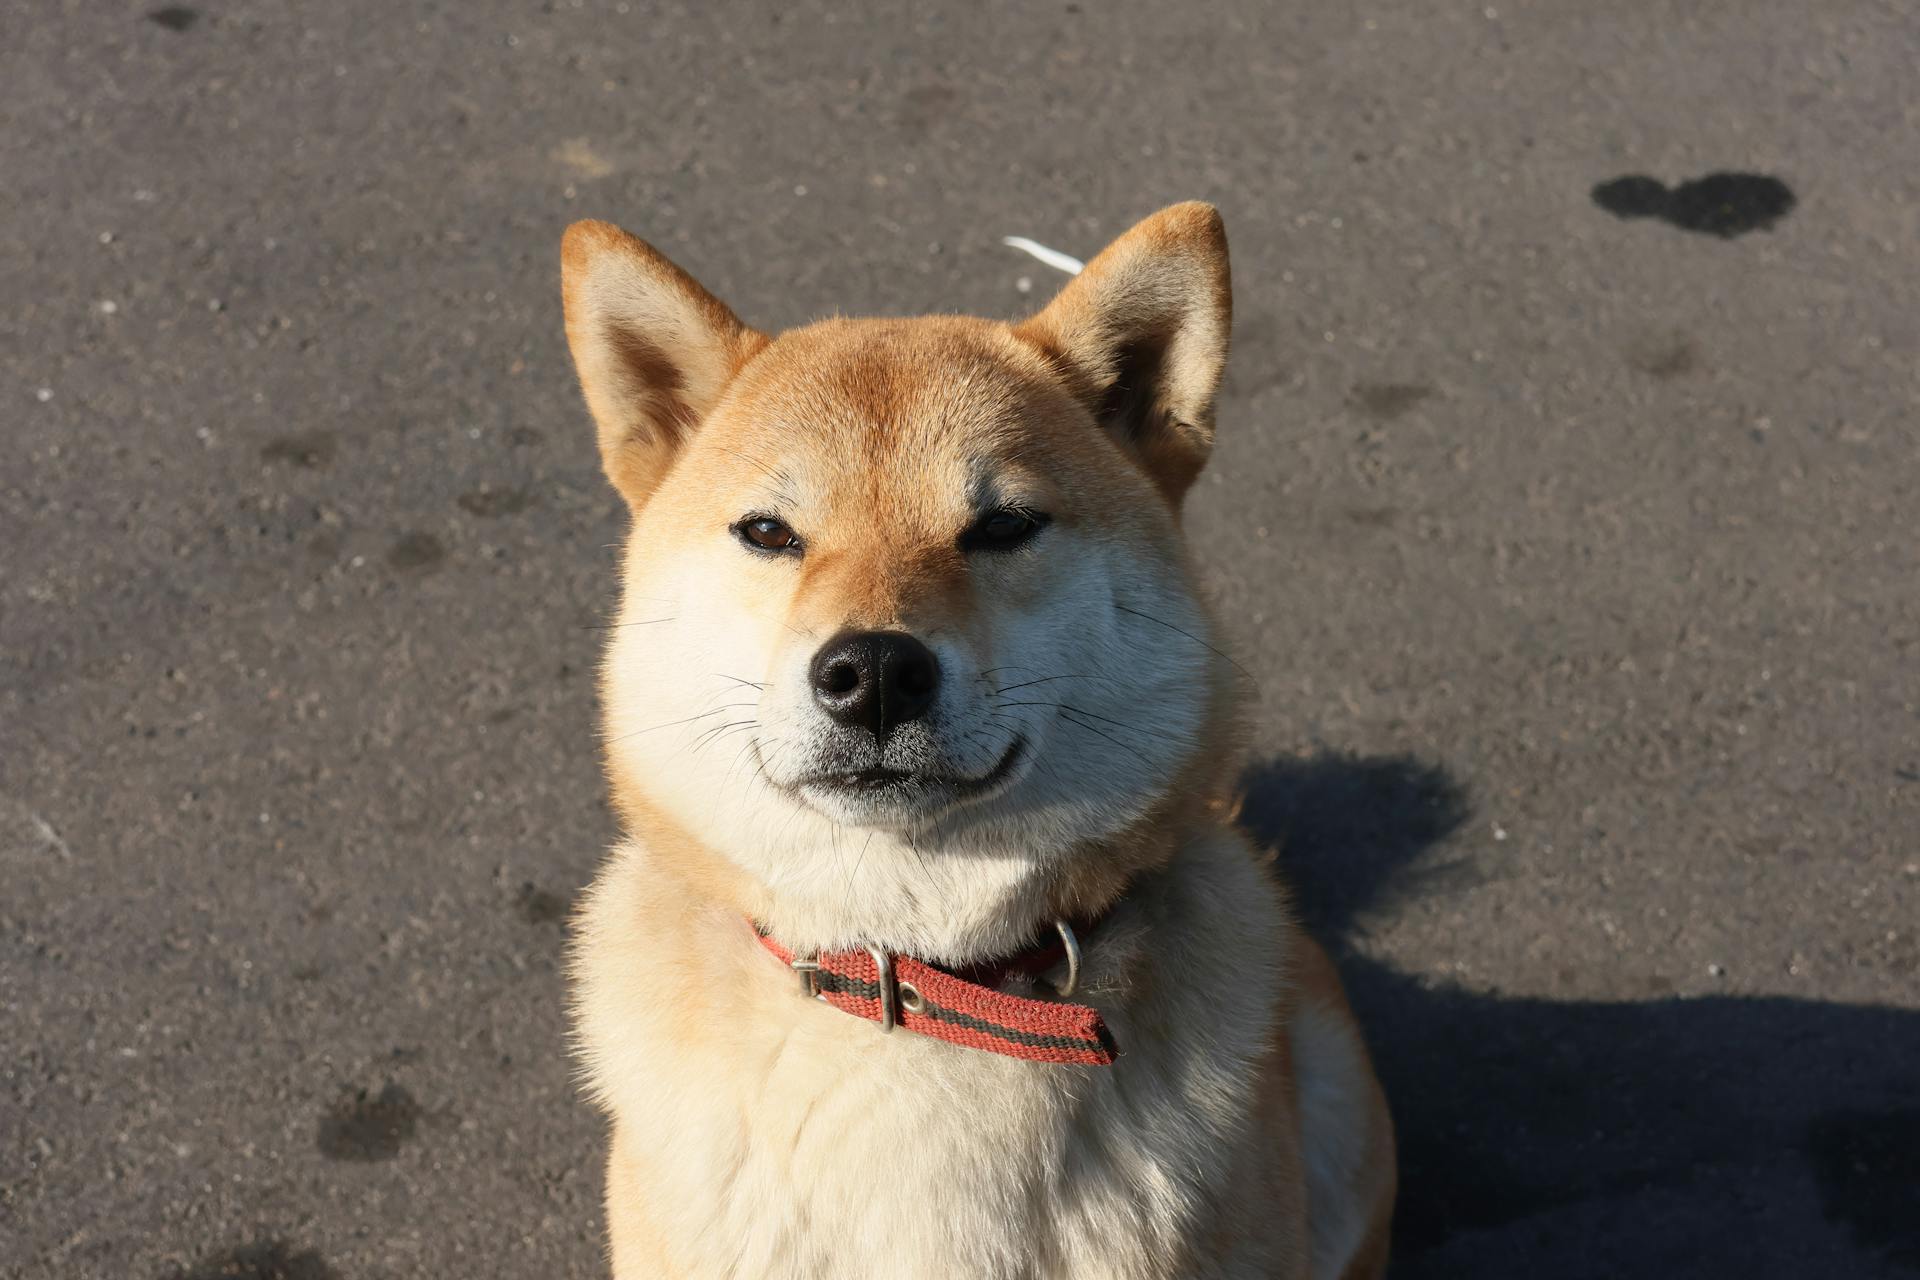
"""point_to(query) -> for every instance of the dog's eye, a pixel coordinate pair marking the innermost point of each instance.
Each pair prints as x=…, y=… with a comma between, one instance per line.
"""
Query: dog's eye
x=767, y=534
x=1002, y=530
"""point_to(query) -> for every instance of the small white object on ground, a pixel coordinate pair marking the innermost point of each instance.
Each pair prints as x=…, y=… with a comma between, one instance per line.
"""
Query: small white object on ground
x=1052, y=257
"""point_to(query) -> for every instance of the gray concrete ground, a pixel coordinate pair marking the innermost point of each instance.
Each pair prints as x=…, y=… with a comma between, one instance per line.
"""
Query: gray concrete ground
x=1573, y=556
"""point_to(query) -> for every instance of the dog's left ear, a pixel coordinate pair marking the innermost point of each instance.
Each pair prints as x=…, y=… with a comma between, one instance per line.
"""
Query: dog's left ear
x=654, y=350
x=1141, y=337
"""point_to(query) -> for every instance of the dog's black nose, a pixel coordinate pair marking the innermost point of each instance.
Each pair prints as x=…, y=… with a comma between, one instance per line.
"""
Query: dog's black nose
x=879, y=679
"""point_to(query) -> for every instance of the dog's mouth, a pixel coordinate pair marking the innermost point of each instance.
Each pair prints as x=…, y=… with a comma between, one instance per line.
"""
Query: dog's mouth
x=911, y=788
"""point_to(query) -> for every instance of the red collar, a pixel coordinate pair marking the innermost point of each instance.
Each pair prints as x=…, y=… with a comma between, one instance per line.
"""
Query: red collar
x=967, y=1010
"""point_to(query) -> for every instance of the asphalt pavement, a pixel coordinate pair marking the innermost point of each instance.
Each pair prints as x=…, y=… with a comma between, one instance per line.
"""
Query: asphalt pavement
x=1566, y=517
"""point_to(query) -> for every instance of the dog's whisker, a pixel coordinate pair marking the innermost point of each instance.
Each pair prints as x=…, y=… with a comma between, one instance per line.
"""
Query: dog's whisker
x=1028, y=684
x=758, y=752
x=1225, y=657
x=655, y=728
x=857, y=862
x=1082, y=711
x=733, y=765
x=615, y=626
x=671, y=723
x=1127, y=747
x=710, y=735
x=1156, y=732
x=729, y=730
x=1150, y=735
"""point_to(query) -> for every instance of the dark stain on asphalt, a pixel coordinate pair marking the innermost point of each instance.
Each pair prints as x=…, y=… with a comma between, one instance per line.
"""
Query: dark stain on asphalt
x=364, y=1128
x=1868, y=1166
x=174, y=17
x=538, y=906
x=261, y=1260
x=1720, y=204
x=308, y=449
x=491, y=503
x=924, y=107
x=416, y=551
x=1373, y=517
x=1385, y=401
x=1664, y=357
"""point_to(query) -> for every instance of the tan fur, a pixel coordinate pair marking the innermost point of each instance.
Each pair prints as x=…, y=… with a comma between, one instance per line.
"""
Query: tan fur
x=760, y=1134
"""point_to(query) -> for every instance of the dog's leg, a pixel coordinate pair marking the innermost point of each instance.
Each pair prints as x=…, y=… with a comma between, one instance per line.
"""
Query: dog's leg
x=1346, y=1134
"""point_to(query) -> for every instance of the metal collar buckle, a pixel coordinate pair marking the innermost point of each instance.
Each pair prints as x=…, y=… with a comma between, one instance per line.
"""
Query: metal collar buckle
x=891, y=989
x=809, y=971
x=1072, y=946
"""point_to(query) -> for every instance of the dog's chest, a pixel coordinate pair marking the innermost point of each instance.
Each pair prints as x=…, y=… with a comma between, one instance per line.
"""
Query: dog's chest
x=859, y=1156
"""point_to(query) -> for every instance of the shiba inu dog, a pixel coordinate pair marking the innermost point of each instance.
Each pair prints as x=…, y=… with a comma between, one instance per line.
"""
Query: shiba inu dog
x=930, y=950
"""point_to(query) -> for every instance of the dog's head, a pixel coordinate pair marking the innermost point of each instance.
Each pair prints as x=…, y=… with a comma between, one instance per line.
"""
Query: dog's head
x=900, y=591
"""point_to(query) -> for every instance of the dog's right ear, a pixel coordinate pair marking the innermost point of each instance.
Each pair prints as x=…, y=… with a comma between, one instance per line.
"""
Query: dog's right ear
x=654, y=350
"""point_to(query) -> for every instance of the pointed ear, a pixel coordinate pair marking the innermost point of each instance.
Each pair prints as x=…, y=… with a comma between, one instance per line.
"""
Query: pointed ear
x=654, y=350
x=1141, y=337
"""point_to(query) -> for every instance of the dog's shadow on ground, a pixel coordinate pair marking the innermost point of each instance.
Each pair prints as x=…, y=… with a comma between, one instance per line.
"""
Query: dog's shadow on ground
x=1665, y=1137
